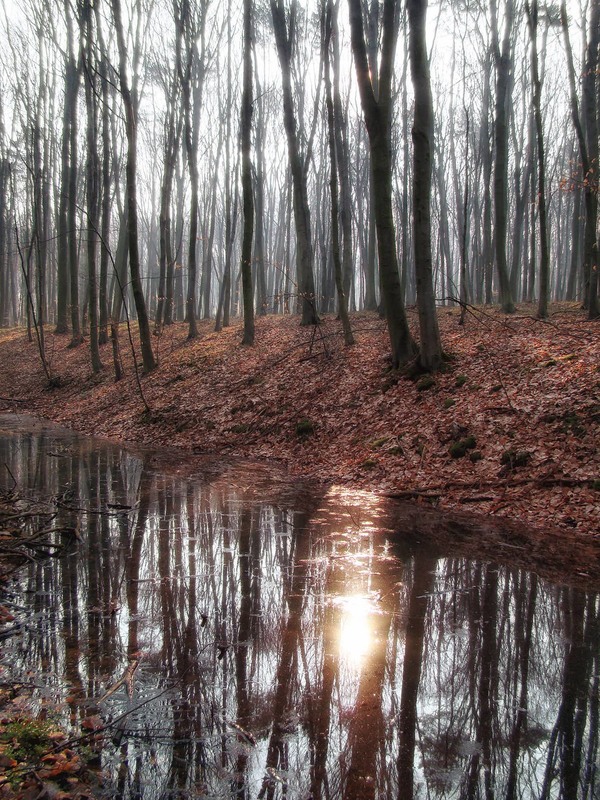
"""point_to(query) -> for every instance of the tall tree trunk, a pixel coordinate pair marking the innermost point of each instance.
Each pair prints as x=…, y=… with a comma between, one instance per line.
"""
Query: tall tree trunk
x=588, y=145
x=377, y=118
x=532, y=20
x=522, y=182
x=208, y=258
x=259, y=193
x=304, y=250
x=92, y=175
x=329, y=13
x=224, y=304
x=65, y=233
x=590, y=105
x=503, y=59
x=372, y=11
x=575, y=238
x=343, y=163
x=148, y=360
x=422, y=134
x=173, y=127
x=487, y=162
x=247, y=195
x=103, y=298
x=5, y=269
x=407, y=272
x=190, y=67
x=38, y=234
x=464, y=234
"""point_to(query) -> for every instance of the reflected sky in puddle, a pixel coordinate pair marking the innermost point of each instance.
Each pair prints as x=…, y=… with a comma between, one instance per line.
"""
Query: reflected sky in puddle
x=300, y=647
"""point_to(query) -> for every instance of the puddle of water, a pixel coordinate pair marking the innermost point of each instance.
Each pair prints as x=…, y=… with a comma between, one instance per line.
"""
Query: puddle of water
x=299, y=647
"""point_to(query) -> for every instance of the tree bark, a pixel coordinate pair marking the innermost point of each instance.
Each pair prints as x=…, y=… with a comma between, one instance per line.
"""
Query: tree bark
x=103, y=297
x=173, y=127
x=328, y=13
x=190, y=32
x=284, y=35
x=247, y=195
x=92, y=177
x=422, y=134
x=259, y=191
x=377, y=119
x=148, y=360
x=503, y=60
x=68, y=164
x=532, y=20
x=343, y=164
x=588, y=146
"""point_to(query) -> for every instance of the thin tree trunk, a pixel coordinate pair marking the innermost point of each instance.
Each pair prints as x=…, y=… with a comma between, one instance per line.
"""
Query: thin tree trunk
x=304, y=249
x=343, y=167
x=328, y=24
x=67, y=164
x=103, y=298
x=148, y=360
x=171, y=148
x=464, y=237
x=247, y=195
x=92, y=177
x=532, y=19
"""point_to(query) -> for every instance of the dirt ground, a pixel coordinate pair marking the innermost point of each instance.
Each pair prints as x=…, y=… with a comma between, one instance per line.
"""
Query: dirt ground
x=510, y=428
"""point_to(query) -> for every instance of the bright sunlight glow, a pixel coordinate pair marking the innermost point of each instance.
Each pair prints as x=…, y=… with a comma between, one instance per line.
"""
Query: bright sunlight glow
x=355, y=636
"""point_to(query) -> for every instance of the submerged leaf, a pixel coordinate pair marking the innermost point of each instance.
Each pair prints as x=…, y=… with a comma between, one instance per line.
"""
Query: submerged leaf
x=242, y=733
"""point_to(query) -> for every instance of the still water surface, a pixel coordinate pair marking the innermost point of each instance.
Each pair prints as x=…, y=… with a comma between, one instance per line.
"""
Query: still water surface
x=284, y=644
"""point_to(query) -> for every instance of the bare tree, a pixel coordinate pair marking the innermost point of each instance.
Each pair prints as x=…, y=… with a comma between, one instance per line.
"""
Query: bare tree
x=285, y=35
x=92, y=173
x=532, y=12
x=587, y=141
x=377, y=113
x=129, y=96
x=430, y=355
x=190, y=22
x=503, y=58
x=68, y=277
x=247, y=194
x=172, y=141
x=329, y=12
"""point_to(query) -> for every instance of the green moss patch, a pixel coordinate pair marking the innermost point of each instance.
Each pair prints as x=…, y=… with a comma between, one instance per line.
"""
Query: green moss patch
x=460, y=448
x=512, y=459
x=305, y=427
x=427, y=382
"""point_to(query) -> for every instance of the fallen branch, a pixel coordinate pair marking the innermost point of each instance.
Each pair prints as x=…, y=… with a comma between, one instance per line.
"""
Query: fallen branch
x=438, y=489
x=126, y=680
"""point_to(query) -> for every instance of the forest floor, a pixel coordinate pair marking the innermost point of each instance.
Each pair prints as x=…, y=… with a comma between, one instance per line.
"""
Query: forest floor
x=511, y=427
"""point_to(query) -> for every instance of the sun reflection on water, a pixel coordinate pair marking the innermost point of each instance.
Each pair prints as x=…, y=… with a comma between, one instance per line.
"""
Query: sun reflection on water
x=355, y=631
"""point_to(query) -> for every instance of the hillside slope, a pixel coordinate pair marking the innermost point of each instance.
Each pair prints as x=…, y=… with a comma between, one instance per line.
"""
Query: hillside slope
x=519, y=406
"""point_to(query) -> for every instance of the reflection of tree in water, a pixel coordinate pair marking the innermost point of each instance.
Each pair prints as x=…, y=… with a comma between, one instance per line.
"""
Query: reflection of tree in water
x=569, y=755
x=459, y=679
x=500, y=659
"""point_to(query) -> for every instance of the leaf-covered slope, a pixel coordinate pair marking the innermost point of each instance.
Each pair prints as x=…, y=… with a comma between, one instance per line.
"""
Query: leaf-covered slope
x=511, y=427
